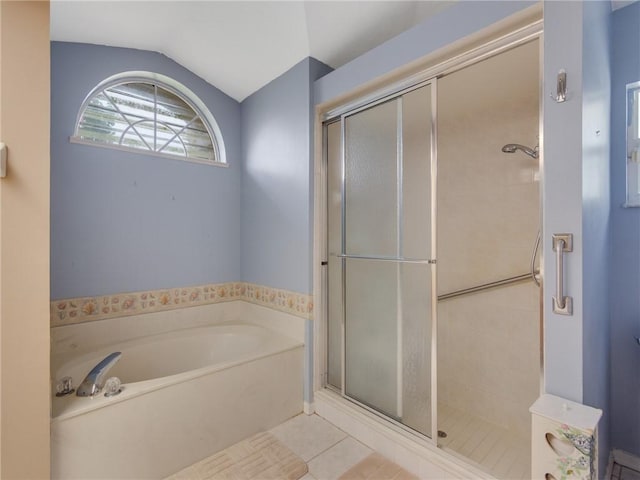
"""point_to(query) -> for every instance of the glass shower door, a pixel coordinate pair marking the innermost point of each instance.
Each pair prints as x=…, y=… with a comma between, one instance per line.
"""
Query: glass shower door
x=379, y=241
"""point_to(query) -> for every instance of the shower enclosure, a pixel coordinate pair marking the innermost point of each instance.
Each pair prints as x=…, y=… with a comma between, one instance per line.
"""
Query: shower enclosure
x=432, y=286
x=381, y=250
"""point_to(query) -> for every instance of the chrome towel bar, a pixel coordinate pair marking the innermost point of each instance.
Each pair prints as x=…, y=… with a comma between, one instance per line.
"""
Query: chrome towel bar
x=389, y=259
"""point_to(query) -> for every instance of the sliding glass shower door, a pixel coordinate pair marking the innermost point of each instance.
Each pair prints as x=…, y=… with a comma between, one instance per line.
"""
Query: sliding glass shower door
x=472, y=398
x=380, y=267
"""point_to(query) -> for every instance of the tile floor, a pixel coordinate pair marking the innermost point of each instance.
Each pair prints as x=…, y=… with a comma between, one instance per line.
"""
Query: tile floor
x=329, y=454
x=328, y=451
x=620, y=472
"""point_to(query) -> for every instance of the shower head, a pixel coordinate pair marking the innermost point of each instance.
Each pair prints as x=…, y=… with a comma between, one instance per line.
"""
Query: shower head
x=513, y=147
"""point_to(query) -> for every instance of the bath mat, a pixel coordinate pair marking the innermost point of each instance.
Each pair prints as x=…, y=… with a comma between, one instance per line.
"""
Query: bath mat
x=377, y=467
x=261, y=457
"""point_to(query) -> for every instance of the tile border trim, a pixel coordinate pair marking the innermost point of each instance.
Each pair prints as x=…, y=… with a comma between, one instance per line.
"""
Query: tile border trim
x=87, y=309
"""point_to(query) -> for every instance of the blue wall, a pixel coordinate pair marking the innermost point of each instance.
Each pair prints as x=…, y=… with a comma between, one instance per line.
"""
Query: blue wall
x=596, y=206
x=128, y=222
x=277, y=206
x=576, y=200
x=562, y=195
x=456, y=22
x=277, y=188
x=625, y=244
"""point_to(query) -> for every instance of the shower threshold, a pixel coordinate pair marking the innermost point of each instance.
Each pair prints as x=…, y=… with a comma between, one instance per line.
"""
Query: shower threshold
x=494, y=451
x=411, y=451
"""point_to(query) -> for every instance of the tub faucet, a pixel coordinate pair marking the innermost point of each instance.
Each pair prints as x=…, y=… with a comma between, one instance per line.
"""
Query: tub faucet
x=94, y=381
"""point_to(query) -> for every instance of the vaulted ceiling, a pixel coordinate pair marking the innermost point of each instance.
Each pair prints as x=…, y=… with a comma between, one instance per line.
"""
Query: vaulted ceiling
x=239, y=46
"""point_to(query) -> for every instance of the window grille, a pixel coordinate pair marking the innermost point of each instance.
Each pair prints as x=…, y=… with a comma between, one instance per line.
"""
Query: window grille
x=151, y=114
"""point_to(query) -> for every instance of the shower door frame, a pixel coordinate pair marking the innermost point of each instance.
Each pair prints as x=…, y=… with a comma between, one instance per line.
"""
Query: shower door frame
x=431, y=261
x=324, y=116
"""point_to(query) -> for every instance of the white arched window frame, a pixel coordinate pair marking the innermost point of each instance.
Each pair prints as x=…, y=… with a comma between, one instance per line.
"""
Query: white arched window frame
x=165, y=133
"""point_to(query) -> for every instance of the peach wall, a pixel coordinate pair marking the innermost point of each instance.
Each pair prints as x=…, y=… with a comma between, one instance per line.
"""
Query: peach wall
x=24, y=241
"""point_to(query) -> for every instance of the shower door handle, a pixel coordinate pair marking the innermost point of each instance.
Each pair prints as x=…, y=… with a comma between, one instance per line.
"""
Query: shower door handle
x=562, y=242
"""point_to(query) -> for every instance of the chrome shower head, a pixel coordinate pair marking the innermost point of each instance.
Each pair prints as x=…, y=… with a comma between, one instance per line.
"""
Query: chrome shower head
x=513, y=147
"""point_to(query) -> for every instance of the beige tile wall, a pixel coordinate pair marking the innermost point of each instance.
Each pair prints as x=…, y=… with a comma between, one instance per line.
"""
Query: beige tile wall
x=488, y=218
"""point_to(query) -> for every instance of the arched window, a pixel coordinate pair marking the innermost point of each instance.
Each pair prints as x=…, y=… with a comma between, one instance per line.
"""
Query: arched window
x=149, y=113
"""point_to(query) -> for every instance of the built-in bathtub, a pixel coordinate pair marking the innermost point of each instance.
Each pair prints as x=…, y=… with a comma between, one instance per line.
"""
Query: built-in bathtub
x=186, y=394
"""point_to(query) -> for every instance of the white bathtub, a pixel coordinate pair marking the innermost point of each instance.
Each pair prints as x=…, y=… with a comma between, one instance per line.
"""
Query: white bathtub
x=187, y=394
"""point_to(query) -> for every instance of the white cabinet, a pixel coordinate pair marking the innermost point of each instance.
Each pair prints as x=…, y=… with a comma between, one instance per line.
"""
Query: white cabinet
x=564, y=442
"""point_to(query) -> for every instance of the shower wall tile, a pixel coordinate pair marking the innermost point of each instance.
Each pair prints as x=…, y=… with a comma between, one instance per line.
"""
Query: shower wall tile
x=488, y=221
x=488, y=365
x=87, y=309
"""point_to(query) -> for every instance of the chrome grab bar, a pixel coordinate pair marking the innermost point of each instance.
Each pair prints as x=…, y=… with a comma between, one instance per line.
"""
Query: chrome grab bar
x=562, y=242
x=532, y=266
x=486, y=286
x=457, y=293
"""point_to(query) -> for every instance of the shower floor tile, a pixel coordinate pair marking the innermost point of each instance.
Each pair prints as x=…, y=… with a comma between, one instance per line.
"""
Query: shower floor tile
x=493, y=449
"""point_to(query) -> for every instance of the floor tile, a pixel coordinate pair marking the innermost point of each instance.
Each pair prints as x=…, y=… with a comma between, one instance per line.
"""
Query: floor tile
x=308, y=435
x=338, y=459
x=629, y=474
x=615, y=471
x=259, y=457
x=376, y=467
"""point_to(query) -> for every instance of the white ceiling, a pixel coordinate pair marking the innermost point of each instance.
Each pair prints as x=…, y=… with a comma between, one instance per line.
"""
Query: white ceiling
x=239, y=46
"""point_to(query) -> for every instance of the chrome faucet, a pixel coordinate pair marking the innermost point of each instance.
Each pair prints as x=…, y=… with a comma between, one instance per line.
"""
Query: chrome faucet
x=94, y=381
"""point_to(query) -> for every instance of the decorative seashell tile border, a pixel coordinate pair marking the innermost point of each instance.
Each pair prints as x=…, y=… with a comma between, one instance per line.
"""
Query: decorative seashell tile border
x=86, y=309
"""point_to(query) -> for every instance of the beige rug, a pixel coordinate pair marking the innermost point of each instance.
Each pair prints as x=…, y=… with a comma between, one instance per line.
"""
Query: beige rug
x=261, y=457
x=377, y=467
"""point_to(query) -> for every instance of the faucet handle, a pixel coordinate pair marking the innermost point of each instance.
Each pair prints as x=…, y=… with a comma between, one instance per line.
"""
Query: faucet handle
x=64, y=387
x=112, y=387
